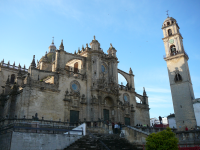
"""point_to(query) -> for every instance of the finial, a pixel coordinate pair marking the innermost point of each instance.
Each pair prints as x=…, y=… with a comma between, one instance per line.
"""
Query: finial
x=86, y=44
x=24, y=66
x=75, y=52
x=52, y=40
x=3, y=61
x=110, y=44
x=130, y=71
x=8, y=63
x=13, y=64
x=61, y=45
x=33, y=62
x=94, y=37
x=144, y=92
x=167, y=14
x=19, y=66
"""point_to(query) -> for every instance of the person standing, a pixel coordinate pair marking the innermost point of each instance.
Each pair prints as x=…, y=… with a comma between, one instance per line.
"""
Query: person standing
x=116, y=128
x=113, y=127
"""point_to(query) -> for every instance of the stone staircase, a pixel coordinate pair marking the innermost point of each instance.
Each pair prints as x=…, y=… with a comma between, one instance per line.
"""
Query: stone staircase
x=93, y=142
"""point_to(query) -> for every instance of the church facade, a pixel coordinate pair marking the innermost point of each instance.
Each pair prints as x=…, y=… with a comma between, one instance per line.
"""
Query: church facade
x=72, y=87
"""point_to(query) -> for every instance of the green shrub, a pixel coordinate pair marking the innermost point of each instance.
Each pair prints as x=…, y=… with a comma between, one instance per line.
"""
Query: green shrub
x=164, y=140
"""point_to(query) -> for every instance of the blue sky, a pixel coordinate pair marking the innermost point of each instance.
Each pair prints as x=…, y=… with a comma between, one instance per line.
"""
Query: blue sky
x=133, y=27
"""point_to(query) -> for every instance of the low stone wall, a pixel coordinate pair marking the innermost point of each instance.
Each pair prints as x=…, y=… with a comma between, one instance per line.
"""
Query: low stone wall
x=190, y=138
x=5, y=141
x=134, y=135
x=36, y=141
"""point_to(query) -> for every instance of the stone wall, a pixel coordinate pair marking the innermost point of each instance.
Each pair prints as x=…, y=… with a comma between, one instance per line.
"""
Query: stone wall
x=36, y=141
x=134, y=135
x=5, y=141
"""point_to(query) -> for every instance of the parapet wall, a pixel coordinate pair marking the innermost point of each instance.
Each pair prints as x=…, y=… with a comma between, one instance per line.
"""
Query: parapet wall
x=33, y=141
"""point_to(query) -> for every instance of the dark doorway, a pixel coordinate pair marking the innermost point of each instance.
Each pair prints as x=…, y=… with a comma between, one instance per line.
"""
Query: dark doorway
x=74, y=116
x=127, y=121
x=12, y=80
x=106, y=114
x=76, y=67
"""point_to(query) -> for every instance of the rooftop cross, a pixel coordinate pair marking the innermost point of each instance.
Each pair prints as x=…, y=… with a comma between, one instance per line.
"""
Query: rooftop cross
x=52, y=40
x=167, y=13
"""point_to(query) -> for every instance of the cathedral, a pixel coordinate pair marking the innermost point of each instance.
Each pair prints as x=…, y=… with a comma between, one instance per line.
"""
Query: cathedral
x=79, y=87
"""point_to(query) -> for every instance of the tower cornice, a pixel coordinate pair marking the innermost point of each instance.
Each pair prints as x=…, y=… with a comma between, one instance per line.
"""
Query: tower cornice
x=167, y=37
x=182, y=54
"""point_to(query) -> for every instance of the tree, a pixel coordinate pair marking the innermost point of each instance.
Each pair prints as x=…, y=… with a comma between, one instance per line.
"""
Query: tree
x=164, y=140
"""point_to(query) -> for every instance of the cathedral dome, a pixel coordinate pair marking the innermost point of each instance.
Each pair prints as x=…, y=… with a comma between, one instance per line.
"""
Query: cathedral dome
x=52, y=44
x=169, y=18
x=48, y=57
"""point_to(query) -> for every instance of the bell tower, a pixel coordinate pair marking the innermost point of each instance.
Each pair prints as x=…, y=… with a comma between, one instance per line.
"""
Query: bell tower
x=179, y=75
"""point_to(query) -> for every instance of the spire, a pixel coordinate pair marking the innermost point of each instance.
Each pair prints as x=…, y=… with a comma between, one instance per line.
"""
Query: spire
x=111, y=45
x=8, y=63
x=46, y=55
x=61, y=45
x=144, y=92
x=75, y=52
x=24, y=66
x=130, y=71
x=94, y=37
x=82, y=47
x=52, y=40
x=19, y=67
x=33, y=62
x=14, y=65
x=3, y=61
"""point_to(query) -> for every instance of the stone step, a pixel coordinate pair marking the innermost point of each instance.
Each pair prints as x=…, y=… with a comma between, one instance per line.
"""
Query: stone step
x=113, y=142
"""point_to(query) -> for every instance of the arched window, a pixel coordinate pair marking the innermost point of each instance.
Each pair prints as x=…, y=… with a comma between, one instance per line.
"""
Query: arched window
x=169, y=32
x=76, y=67
x=168, y=23
x=173, y=49
x=178, y=78
x=12, y=80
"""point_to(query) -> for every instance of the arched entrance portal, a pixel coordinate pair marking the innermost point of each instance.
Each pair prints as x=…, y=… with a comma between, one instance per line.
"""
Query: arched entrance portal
x=108, y=108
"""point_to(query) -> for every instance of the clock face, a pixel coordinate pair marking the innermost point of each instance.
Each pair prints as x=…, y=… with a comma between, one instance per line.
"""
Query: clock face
x=171, y=41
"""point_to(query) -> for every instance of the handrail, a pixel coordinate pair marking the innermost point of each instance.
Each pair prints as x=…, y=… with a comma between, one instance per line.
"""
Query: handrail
x=13, y=127
x=137, y=129
x=102, y=143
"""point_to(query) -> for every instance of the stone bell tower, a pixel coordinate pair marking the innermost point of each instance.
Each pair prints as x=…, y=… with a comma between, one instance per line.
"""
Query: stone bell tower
x=179, y=75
